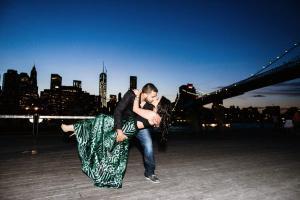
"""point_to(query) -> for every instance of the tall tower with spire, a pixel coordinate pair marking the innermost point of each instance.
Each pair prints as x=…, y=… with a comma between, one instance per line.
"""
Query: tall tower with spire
x=33, y=82
x=103, y=86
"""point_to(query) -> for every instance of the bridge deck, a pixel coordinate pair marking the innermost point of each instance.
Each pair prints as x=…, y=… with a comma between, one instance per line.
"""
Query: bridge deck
x=191, y=168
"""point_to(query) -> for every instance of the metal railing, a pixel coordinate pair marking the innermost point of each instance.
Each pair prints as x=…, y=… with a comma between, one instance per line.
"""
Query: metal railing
x=44, y=117
x=35, y=119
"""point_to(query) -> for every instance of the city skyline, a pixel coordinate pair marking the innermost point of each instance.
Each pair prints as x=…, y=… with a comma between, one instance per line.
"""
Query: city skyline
x=169, y=43
x=133, y=82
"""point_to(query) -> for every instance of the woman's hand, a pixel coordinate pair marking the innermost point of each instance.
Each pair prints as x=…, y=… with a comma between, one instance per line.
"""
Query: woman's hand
x=137, y=92
x=120, y=136
x=156, y=120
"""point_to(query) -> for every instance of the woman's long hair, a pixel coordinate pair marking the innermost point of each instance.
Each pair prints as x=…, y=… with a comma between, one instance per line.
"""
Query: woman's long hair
x=164, y=109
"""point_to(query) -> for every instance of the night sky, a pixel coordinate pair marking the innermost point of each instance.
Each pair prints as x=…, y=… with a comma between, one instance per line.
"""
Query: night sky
x=208, y=43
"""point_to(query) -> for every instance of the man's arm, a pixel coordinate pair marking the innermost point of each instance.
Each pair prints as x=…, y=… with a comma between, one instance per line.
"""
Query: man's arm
x=122, y=105
x=147, y=114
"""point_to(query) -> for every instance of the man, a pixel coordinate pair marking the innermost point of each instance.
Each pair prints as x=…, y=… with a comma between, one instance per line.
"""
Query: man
x=124, y=111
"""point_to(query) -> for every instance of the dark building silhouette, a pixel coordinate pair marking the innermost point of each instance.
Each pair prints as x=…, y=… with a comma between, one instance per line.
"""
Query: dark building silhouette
x=271, y=113
x=55, y=82
x=33, y=80
x=77, y=84
x=24, y=91
x=68, y=100
x=20, y=92
x=250, y=114
x=112, y=103
x=233, y=114
x=10, y=83
x=133, y=82
x=119, y=96
x=20, y=96
x=9, y=98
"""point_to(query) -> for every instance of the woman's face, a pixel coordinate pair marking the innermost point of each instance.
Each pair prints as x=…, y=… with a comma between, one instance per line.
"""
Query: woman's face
x=156, y=102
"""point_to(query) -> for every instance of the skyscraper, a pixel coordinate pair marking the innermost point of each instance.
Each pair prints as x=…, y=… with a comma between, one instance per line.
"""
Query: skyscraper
x=77, y=84
x=133, y=82
x=55, y=81
x=33, y=79
x=10, y=96
x=24, y=83
x=10, y=83
x=103, y=86
x=119, y=96
x=19, y=90
x=33, y=82
x=112, y=104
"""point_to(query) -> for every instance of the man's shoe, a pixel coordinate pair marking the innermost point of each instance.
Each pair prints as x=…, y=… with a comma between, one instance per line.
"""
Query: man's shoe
x=153, y=178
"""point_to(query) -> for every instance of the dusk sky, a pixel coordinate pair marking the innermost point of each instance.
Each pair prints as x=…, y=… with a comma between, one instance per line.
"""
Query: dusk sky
x=169, y=43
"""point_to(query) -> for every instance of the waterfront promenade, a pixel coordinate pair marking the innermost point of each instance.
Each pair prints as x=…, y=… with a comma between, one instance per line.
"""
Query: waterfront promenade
x=220, y=166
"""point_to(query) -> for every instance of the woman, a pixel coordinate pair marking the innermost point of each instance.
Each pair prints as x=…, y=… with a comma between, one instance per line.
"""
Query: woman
x=104, y=159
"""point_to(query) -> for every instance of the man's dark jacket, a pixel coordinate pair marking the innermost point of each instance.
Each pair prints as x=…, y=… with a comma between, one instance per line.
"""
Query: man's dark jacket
x=124, y=109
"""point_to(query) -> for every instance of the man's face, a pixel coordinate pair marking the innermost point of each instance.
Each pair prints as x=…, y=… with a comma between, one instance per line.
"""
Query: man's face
x=151, y=97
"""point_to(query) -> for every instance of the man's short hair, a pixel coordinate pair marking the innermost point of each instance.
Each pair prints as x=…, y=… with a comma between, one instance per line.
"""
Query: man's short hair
x=149, y=87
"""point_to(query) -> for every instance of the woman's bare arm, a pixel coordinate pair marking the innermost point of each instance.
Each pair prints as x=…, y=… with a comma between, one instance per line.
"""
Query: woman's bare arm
x=147, y=114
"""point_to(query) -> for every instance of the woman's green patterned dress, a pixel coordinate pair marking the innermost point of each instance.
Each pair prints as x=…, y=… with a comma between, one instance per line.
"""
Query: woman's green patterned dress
x=103, y=159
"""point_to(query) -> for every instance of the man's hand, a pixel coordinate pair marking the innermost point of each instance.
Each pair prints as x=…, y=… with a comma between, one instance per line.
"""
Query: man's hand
x=120, y=136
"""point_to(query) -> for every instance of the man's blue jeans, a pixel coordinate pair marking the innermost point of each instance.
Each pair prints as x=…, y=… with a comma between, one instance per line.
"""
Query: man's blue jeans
x=144, y=137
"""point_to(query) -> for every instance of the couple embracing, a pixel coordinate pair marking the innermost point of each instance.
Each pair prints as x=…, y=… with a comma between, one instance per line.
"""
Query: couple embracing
x=103, y=142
